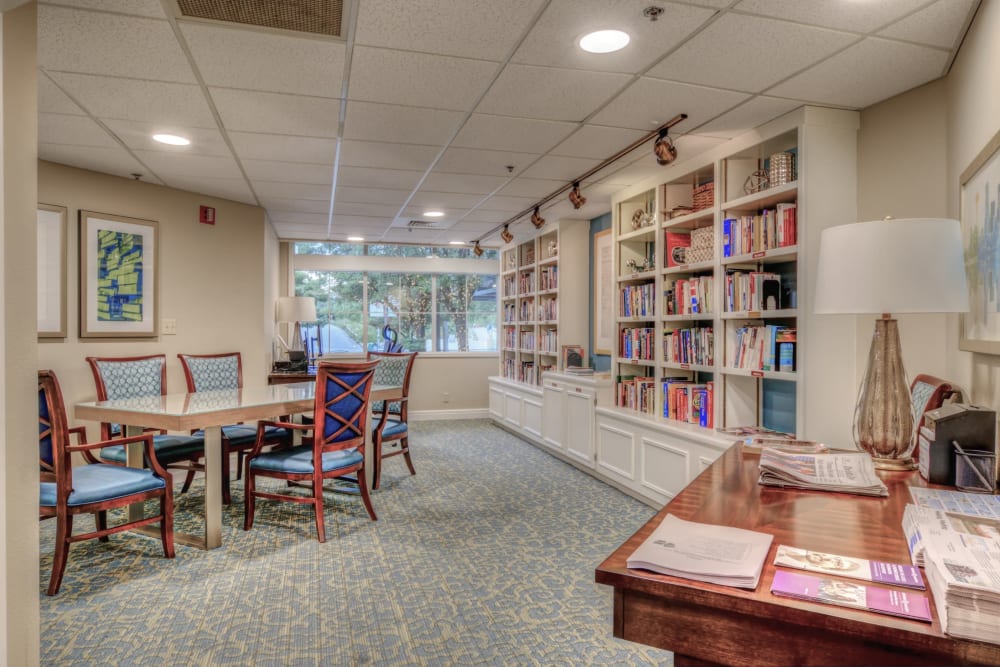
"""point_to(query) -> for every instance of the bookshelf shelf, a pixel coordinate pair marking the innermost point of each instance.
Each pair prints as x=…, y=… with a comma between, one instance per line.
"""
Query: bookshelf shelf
x=690, y=268
x=773, y=375
x=698, y=368
x=764, y=199
x=760, y=314
x=785, y=254
x=695, y=220
x=694, y=317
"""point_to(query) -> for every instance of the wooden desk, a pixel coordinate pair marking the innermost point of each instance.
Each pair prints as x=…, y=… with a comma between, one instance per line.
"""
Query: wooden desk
x=279, y=377
x=706, y=624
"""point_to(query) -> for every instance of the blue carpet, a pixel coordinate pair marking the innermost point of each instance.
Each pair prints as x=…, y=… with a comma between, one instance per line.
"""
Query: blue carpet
x=485, y=557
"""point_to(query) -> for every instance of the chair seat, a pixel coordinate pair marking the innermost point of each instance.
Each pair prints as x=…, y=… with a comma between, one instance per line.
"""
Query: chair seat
x=99, y=482
x=243, y=435
x=168, y=448
x=299, y=460
x=393, y=427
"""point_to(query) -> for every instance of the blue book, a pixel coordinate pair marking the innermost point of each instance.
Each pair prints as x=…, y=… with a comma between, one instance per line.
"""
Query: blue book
x=727, y=247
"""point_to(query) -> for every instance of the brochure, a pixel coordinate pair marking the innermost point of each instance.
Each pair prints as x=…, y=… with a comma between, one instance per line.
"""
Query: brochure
x=856, y=568
x=847, y=594
x=919, y=523
x=958, y=502
x=847, y=472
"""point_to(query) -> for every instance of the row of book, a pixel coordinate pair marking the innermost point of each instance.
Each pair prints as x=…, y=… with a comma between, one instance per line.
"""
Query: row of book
x=688, y=296
x=509, y=313
x=771, y=228
x=752, y=290
x=509, y=286
x=526, y=310
x=526, y=282
x=637, y=300
x=690, y=346
x=764, y=347
x=638, y=343
x=548, y=277
x=636, y=393
x=549, y=341
x=548, y=309
x=689, y=402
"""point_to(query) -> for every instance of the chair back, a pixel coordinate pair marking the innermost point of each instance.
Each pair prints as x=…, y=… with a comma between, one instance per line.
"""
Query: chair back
x=341, y=413
x=394, y=368
x=53, y=433
x=212, y=372
x=127, y=377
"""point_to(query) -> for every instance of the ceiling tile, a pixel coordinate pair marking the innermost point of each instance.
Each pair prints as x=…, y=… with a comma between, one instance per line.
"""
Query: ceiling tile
x=373, y=210
x=484, y=162
x=475, y=184
x=553, y=40
x=508, y=204
x=597, y=142
x=485, y=217
x=369, y=195
x=848, y=78
x=747, y=116
x=255, y=60
x=318, y=219
x=115, y=161
x=531, y=187
x=284, y=148
x=53, y=100
x=833, y=14
x=560, y=168
x=696, y=144
x=130, y=46
x=392, y=123
x=789, y=48
x=444, y=200
x=288, y=172
x=418, y=79
x=358, y=223
x=169, y=166
x=472, y=28
x=300, y=232
x=366, y=177
x=235, y=189
x=379, y=154
x=76, y=130
x=417, y=213
x=297, y=204
x=548, y=93
x=146, y=101
x=253, y=111
x=148, y=8
x=512, y=134
x=650, y=102
x=272, y=189
x=398, y=235
x=139, y=136
x=938, y=25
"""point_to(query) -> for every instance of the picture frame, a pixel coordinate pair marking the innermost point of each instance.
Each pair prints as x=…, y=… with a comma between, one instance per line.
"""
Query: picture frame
x=118, y=276
x=604, y=297
x=573, y=356
x=979, y=329
x=51, y=268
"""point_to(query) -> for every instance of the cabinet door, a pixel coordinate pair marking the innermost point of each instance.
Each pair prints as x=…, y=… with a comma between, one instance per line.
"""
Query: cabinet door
x=579, y=408
x=554, y=414
x=496, y=402
x=532, y=416
x=512, y=409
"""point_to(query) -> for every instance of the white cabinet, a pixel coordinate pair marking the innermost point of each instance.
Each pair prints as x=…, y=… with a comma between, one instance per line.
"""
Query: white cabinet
x=554, y=414
x=569, y=415
x=516, y=407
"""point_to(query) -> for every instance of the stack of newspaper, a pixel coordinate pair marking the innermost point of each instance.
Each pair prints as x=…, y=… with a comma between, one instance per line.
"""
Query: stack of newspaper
x=964, y=574
x=936, y=511
x=847, y=472
x=704, y=552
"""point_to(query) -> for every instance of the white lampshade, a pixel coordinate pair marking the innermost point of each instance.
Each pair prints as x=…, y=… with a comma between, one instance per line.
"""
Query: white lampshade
x=913, y=265
x=296, y=309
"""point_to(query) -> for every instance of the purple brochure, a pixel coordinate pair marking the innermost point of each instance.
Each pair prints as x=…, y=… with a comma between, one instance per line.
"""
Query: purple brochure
x=849, y=594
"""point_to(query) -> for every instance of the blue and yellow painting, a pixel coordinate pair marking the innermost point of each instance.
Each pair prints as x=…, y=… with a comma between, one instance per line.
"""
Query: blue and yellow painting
x=119, y=276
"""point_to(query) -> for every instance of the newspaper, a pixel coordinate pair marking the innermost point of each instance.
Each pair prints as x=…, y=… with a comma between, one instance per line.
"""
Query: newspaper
x=847, y=472
x=921, y=521
x=964, y=575
x=704, y=552
x=957, y=502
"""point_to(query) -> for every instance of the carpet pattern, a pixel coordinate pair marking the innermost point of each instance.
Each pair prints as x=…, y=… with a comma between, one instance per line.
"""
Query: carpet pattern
x=485, y=557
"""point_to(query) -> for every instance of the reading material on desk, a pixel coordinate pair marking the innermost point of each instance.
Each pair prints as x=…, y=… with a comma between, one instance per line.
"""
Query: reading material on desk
x=957, y=502
x=964, y=574
x=920, y=522
x=880, y=572
x=704, y=552
x=845, y=472
x=848, y=594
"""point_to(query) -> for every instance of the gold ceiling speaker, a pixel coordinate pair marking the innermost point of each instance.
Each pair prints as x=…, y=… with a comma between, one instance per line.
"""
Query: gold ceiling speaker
x=537, y=220
x=477, y=250
x=663, y=148
x=506, y=235
x=575, y=197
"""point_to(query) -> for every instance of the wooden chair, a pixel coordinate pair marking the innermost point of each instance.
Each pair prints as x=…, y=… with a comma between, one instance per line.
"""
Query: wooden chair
x=94, y=488
x=394, y=368
x=132, y=377
x=218, y=372
x=336, y=448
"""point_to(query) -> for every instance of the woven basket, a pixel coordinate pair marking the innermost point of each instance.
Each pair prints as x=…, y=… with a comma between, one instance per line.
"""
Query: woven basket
x=703, y=196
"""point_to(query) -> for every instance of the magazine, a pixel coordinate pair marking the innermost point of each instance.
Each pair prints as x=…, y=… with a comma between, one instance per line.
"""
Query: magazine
x=920, y=522
x=704, y=552
x=847, y=594
x=876, y=571
x=848, y=472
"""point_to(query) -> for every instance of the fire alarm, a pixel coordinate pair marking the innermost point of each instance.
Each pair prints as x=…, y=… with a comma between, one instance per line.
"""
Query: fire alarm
x=206, y=215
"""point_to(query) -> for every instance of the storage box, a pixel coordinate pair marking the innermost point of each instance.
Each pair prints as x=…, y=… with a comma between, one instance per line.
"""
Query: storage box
x=973, y=427
x=703, y=196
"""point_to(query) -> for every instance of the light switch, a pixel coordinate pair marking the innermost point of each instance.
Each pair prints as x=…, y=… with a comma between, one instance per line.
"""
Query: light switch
x=168, y=327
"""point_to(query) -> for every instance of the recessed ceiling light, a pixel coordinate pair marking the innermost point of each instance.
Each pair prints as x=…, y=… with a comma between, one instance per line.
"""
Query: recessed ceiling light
x=434, y=214
x=604, y=41
x=171, y=139
x=355, y=238
x=456, y=242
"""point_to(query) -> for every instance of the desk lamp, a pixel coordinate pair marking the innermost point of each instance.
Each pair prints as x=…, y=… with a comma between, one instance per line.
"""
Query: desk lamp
x=889, y=266
x=295, y=309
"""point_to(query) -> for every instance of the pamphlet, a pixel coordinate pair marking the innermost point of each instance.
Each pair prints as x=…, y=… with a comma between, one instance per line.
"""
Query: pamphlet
x=847, y=472
x=704, y=552
x=964, y=575
x=921, y=522
x=856, y=568
x=957, y=502
x=847, y=594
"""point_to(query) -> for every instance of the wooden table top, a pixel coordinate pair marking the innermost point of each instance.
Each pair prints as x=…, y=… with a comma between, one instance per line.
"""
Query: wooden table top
x=727, y=493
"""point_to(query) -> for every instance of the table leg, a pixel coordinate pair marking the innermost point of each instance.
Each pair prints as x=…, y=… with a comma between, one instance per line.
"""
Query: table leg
x=213, y=487
x=369, y=450
x=134, y=459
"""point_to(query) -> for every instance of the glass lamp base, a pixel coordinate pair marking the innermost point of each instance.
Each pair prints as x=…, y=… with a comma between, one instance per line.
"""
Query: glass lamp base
x=894, y=464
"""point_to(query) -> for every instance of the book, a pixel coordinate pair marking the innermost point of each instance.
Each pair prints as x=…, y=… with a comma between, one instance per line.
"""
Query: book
x=846, y=472
x=704, y=552
x=848, y=594
x=879, y=572
x=677, y=245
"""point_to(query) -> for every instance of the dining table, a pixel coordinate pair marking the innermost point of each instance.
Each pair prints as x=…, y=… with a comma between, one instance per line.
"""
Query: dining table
x=209, y=411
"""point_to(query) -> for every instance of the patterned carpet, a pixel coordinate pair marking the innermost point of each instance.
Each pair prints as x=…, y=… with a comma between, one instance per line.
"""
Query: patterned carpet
x=485, y=557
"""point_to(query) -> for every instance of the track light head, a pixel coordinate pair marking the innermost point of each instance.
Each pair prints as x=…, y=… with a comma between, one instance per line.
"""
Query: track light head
x=664, y=149
x=506, y=235
x=537, y=220
x=575, y=197
x=477, y=250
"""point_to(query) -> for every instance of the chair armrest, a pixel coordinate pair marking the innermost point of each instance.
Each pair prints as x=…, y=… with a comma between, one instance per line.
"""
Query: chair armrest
x=145, y=438
x=258, y=445
x=81, y=434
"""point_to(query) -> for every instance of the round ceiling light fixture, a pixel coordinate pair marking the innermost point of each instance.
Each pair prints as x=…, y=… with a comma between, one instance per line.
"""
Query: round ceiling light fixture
x=171, y=139
x=355, y=239
x=604, y=41
x=434, y=214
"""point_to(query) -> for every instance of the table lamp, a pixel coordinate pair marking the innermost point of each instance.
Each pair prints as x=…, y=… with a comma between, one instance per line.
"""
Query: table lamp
x=889, y=266
x=295, y=309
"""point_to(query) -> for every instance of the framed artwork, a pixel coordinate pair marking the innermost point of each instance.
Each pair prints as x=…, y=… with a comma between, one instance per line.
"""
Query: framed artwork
x=117, y=276
x=604, y=298
x=979, y=329
x=572, y=356
x=51, y=221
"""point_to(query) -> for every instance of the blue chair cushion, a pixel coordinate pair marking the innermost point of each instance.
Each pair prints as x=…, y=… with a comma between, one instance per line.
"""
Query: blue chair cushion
x=243, y=435
x=168, y=448
x=393, y=427
x=99, y=482
x=299, y=460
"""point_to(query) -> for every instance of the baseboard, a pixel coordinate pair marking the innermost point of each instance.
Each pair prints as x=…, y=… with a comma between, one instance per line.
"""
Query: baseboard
x=441, y=415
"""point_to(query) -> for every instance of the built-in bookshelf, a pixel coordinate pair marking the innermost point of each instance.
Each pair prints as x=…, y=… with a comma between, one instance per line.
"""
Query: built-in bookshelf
x=709, y=263
x=543, y=301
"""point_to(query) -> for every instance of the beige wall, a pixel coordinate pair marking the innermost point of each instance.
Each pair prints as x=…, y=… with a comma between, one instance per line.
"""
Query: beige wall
x=214, y=280
x=18, y=453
